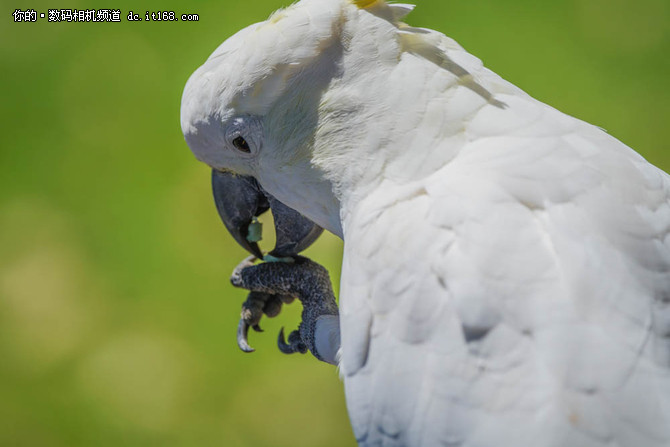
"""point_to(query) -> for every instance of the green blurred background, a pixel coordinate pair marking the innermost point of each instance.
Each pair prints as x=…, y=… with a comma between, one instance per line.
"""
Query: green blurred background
x=117, y=320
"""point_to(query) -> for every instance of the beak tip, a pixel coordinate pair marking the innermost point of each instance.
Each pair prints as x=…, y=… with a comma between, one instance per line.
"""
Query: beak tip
x=255, y=250
x=240, y=199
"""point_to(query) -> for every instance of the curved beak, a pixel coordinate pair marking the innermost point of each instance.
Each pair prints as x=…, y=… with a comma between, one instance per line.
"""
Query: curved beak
x=294, y=231
x=239, y=199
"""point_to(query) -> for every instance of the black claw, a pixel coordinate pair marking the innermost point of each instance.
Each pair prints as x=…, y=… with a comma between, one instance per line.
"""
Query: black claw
x=257, y=328
x=281, y=343
x=294, y=344
x=285, y=347
x=242, y=336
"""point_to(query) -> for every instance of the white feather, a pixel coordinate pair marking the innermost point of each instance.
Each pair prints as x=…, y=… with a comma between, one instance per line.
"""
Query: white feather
x=506, y=273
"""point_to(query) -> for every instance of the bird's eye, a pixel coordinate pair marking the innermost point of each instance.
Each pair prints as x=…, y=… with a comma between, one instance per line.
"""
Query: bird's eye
x=243, y=134
x=241, y=145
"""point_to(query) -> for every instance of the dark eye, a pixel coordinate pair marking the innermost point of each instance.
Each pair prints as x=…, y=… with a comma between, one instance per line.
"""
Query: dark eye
x=241, y=145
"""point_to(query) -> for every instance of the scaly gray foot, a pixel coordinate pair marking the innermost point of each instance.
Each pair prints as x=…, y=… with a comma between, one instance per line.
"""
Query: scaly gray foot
x=304, y=279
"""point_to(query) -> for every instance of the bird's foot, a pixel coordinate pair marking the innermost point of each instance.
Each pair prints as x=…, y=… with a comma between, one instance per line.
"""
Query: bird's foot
x=275, y=283
x=256, y=305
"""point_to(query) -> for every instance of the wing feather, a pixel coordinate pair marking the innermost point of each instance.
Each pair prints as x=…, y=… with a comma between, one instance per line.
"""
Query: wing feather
x=519, y=295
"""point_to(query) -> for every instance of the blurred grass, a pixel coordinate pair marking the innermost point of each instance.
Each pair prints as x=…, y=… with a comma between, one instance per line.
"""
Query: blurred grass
x=116, y=317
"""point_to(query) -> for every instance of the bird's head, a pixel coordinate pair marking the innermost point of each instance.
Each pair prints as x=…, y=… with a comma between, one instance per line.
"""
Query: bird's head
x=275, y=101
x=252, y=107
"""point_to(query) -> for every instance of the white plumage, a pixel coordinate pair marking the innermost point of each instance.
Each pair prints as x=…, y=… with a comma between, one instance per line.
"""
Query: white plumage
x=506, y=275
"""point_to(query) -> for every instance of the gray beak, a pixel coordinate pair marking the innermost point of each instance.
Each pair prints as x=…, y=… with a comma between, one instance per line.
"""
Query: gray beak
x=240, y=198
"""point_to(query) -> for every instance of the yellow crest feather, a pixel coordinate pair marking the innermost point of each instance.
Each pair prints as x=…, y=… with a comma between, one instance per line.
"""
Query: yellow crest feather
x=366, y=3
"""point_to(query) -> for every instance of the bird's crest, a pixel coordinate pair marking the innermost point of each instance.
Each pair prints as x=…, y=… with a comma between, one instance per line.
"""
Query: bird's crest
x=363, y=4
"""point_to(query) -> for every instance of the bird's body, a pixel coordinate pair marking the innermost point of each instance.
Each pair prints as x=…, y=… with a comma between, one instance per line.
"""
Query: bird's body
x=506, y=272
x=530, y=307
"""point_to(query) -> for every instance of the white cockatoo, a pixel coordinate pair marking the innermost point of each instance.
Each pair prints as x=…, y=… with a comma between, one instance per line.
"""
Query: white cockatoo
x=506, y=271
